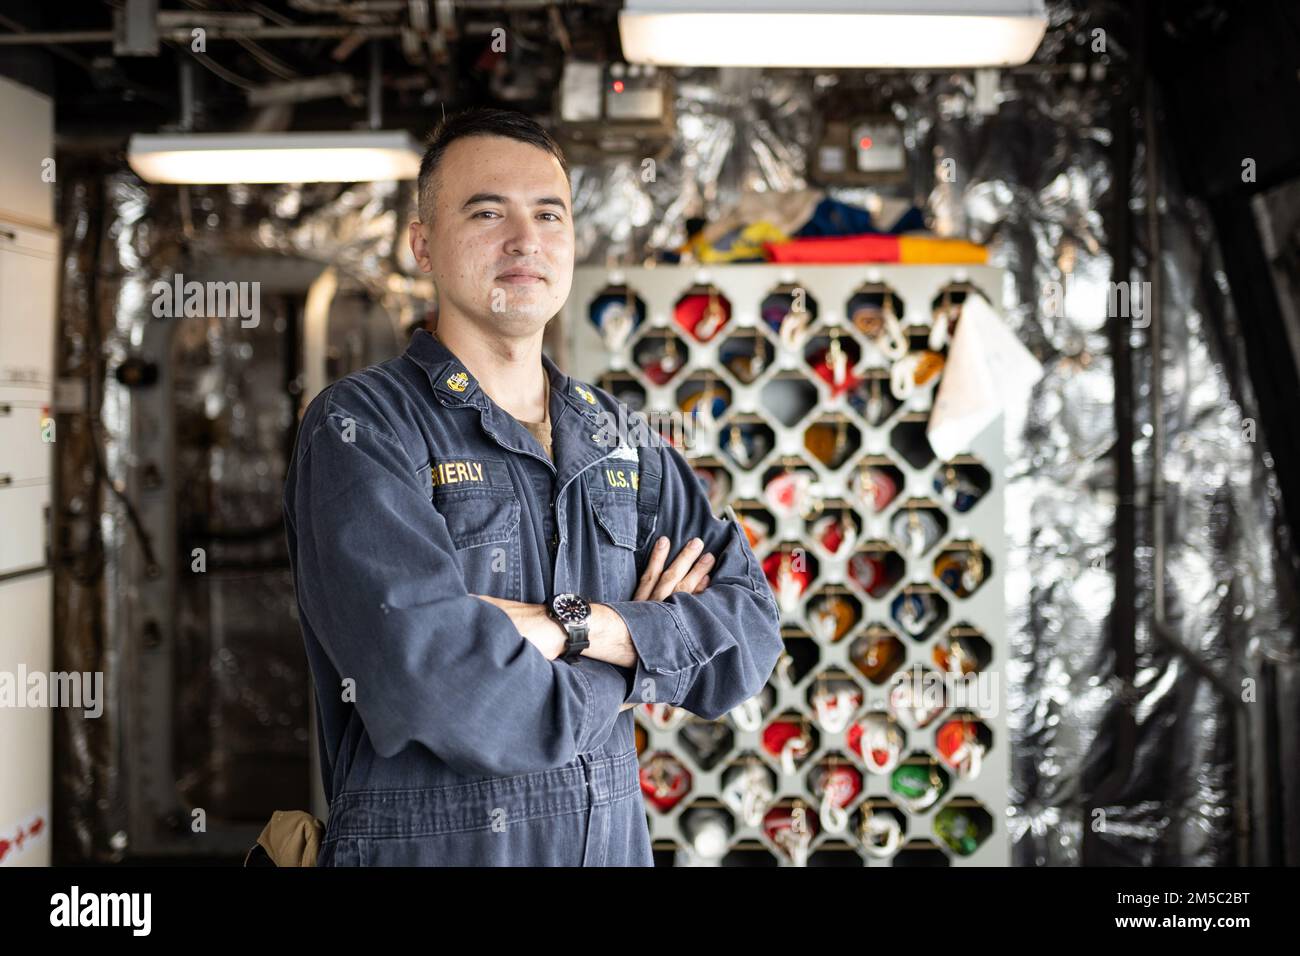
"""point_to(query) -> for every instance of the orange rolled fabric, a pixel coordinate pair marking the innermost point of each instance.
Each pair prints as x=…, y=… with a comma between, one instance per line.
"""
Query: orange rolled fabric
x=921, y=249
x=877, y=248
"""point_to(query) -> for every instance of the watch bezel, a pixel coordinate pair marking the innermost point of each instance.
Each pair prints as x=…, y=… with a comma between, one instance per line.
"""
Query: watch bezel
x=576, y=638
x=565, y=615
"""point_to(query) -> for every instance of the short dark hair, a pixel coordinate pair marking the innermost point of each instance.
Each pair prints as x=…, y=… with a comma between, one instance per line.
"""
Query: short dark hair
x=478, y=121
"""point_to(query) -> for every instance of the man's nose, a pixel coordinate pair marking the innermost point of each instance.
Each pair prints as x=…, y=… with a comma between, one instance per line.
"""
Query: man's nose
x=525, y=239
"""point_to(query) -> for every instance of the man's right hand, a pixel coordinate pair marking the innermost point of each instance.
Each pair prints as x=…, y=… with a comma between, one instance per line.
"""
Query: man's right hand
x=688, y=573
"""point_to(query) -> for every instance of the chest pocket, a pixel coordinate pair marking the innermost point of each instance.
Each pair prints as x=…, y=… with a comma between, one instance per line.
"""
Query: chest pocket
x=479, y=517
x=611, y=489
x=613, y=495
x=482, y=511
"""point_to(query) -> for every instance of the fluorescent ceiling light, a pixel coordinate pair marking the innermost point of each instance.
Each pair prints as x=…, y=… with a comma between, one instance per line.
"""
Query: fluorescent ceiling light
x=343, y=157
x=831, y=33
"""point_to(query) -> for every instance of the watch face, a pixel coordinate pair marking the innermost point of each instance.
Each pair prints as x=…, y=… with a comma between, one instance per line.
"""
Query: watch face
x=570, y=608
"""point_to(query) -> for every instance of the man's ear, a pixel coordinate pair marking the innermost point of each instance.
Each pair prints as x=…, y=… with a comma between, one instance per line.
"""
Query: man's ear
x=419, y=246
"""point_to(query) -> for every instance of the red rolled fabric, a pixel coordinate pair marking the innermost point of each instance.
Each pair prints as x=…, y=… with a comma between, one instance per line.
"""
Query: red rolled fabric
x=831, y=249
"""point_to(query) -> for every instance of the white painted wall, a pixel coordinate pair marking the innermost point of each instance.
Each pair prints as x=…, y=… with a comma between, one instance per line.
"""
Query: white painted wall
x=28, y=297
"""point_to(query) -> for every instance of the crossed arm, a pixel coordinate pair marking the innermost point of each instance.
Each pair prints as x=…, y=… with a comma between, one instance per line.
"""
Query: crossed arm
x=609, y=638
x=380, y=589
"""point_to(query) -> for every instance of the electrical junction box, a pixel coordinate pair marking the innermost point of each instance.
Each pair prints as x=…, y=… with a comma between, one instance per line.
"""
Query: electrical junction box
x=862, y=152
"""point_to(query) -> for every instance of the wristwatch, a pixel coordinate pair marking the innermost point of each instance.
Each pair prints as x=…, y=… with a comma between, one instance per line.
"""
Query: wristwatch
x=573, y=613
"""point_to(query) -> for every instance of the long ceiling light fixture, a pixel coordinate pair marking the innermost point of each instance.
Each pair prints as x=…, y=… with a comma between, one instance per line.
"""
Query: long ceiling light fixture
x=832, y=33
x=350, y=156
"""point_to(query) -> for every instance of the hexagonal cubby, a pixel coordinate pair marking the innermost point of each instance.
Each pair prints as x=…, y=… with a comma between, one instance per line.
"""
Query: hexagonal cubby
x=702, y=312
x=791, y=826
x=833, y=356
x=832, y=853
x=801, y=656
x=962, y=567
x=872, y=398
x=746, y=440
x=749, y=714
x=880, y=827
x=961, y=483
x=836, y=530
x=706, y=831
x=832, y=612
x=919, y=783
x=625, y=388
x=789, y=397
x=671, y=429
x=961, y=742
x=917, y=696
x=961, y=650
x=748, y=788
x=962, y=825
x=789, y=311
x=832, y=440
x=945, y=312
x=834, y=783
x=876, y=568
x=876, y=311
x=876, y=482
x=908, y=439
x=747, y=354
x=790, y=569
x=660, y=715
x=660, y=355
x=833, y=698
x=790, y=740
x=921, y=853
x=715, y=480
x=917, y=526
x=878, y=740
x=757, y=523
x=747, y=855
x=706, y=742
x=914, y=379
x=877, y=654
x=665, y=781
x=704, y=399
x=791, y=488
x=617, y=312
x=918, y=610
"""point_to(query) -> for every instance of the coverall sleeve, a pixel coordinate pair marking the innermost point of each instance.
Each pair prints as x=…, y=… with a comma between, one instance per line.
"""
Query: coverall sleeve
x=707, y=652
x=378, y=580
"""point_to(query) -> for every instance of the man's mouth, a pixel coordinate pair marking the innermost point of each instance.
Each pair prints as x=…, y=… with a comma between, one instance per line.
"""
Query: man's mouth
x=520, y=278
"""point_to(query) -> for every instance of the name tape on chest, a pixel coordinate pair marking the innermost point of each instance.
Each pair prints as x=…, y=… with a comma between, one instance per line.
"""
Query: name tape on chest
x=460, y=472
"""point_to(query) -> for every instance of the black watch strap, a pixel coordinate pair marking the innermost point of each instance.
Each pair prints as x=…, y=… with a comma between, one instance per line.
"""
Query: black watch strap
x=576, y=643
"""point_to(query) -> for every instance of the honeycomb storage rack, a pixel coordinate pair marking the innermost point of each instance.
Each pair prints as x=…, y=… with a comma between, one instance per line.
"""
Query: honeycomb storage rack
x=880, y=739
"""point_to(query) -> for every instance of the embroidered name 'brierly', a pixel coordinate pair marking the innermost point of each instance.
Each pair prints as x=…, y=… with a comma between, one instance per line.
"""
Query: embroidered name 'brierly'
x=456, y=472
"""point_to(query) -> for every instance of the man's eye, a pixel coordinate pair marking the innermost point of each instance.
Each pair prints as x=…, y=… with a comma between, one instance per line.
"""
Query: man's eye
x=484, y=212
x=553, y=216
